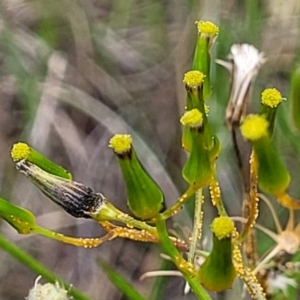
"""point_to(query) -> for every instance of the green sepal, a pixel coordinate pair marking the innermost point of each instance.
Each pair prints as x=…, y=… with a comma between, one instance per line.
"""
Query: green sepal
x=217, y=272
x=198, y=168
x=144, y=196
x=295, y=97
x=269, y=113
x=273, y=177
x=22, y=151
x=19, y=218
x=201, y=63
x=215, y=148
x=194, y=100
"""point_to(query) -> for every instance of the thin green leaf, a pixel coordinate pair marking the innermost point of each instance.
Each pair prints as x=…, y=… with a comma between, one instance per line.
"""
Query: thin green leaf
x=120, y=282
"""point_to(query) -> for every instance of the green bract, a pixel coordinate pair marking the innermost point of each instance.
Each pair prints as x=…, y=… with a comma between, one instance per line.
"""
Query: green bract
x=19, y=218
x=295, y=97
x=21, y=151
x=198, y=168
x=207, y=34
x=144, y=197
x=273, y=176
x=217, y=272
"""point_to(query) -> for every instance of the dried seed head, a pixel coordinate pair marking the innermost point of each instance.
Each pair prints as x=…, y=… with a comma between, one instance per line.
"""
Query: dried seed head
x=75, y=198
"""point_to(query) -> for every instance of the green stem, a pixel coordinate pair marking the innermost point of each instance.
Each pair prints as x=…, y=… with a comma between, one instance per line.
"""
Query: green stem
x=38, y=268
x=197, y=229
x=131, y=222
x=216, y=197
x=110, y=213
x=178, y=204
x=183, y=266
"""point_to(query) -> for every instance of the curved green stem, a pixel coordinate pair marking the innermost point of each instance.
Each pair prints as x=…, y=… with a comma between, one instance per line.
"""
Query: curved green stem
x=187, y=270
x=178, y=204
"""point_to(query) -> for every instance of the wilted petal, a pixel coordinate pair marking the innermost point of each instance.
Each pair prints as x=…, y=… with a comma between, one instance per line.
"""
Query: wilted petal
x=245, y=61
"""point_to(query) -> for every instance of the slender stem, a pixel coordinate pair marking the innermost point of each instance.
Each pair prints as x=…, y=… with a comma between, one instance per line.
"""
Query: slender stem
x=267, y=259
x=183, y=266
x=178, y=204
x=252, y=207
x=131, y=222
x=216, y=198
x=79, y=242
x=273, y=213
x=114, y=214
x=197, y=229
x=290, y=223
x=37, y=267
x=267, y=231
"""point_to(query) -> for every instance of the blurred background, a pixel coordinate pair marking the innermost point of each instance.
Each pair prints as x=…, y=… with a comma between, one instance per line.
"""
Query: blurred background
x=75, y=72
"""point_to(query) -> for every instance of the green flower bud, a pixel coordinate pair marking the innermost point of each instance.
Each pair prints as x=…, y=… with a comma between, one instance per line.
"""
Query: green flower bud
x=273, y=176
x=207, y=34
x=194, y=87
x=144, y=197
x=270, y=100
x=21, y=151
x=198, y=168
x=77, y=199
x=19, y=218
x=295, y=97
x=217, y=272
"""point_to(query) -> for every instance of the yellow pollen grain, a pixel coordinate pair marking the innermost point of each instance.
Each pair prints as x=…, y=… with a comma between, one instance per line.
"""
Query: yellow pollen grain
x=20, y=151
x=120, y=143
x=271, y=97
x=254, y=127
x=192, y=118
x=207, y=27
x=193, y=78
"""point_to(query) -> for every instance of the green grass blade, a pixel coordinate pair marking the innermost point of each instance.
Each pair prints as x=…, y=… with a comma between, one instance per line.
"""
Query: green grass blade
x=120, y=282
x=38, y=268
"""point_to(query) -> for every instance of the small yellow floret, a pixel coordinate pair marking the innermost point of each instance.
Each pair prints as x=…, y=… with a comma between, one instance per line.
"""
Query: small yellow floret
x=193, y=78
x=222, y=227
x=20, y=151
x=192, y=118
x=254, y=127
x=271, y=97
x=207, y=28
x=120, y=143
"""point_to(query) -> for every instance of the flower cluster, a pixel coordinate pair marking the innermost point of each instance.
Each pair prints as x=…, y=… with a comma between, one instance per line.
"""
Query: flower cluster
x=223, y=263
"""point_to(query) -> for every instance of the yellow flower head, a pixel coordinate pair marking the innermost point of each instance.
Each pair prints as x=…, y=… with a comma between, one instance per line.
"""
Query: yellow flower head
x=254, y=127
x=193, y=78
x=222, y=227
x=192, y=118
x=20, y=151
x=207, y=28
x=271, y=97
x=120, y=143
